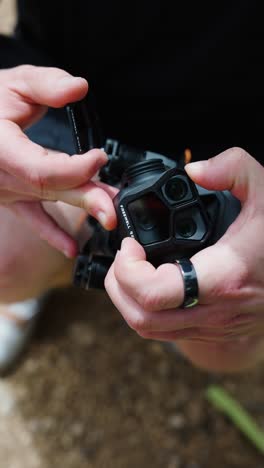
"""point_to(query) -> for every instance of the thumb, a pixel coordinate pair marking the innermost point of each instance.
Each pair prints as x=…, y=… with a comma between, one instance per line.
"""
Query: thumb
x=234, y=170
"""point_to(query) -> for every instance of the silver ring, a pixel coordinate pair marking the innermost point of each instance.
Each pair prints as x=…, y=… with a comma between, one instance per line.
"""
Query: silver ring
x=190, y=281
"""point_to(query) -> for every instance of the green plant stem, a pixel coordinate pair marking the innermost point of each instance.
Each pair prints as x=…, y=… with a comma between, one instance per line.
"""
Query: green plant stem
x=240, y=417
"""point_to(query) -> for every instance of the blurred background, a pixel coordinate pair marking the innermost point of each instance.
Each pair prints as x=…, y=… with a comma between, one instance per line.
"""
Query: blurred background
x=90, y=393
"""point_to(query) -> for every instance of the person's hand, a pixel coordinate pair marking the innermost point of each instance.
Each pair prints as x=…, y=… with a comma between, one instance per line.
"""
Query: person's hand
x=30, y=173
x=230, y=276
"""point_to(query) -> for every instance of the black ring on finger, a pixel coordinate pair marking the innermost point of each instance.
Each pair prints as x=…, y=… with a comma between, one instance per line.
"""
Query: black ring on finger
x=190, y=281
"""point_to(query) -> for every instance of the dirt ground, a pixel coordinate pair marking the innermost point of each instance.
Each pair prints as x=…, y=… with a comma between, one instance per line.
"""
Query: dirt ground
x=89, y=393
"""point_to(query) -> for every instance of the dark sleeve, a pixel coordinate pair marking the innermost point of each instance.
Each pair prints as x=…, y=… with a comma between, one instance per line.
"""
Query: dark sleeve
x=15, y=52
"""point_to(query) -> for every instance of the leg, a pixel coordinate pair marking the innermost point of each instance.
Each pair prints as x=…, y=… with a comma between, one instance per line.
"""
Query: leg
x=28, y=268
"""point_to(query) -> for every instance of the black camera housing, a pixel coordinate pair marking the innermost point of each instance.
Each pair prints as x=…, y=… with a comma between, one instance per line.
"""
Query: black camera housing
x=162, y=210
x=157, y=204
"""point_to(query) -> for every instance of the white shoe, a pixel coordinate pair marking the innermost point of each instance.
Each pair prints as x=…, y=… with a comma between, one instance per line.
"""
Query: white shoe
x=17, y=323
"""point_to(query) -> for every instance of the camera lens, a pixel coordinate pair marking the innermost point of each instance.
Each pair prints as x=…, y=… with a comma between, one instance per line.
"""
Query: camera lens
x=144, y=220
x=176, y=189
x=150, y=218
x=186, y=228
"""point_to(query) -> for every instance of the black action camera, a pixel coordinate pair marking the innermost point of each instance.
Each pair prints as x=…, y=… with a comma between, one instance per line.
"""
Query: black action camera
x=157, y=204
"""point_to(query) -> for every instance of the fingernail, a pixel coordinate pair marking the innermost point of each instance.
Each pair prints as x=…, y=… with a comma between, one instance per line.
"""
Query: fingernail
x=124, y=242
x=195, y=168
x=100, y=163
x=102, y=218
x=70, y=80
x=105, y=154
x=70, y=253
x=67, y=254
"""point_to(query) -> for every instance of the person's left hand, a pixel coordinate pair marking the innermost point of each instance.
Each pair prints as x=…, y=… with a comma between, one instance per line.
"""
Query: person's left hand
x=230, y=273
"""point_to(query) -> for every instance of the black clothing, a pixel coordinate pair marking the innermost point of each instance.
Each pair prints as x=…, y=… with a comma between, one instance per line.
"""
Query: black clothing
x=165, y=74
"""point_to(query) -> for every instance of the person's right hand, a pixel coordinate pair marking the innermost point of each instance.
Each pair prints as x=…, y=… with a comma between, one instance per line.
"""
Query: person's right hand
x=30, y=173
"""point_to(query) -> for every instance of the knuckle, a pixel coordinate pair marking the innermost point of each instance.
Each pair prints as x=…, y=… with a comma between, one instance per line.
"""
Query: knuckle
x=36, y=177
x=82, y=202
x=150, y=300
x=238, y=283
x=235, y=285
x=25, y=68
x=235, y=277
x=239, y=155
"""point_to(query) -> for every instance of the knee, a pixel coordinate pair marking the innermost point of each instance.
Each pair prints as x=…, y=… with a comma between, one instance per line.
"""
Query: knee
x=22, y=279
x=28, y=266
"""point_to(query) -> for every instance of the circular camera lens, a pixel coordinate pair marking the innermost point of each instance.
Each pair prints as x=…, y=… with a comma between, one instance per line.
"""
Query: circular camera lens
x=176, y=189
x=144, y=221
x=186, y=228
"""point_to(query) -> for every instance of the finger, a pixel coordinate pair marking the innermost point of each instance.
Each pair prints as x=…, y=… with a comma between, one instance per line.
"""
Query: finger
x=136, y=317
x=7, y=197
x=34, y=89
x=40, y=168
x=48, y=86
x=18, y=109
x=154, y=289
x=222, y=278
x=112, y=191
x=15, y=186
x=173, y=320
x=93, y=199
x=44, y=225
x=233, y=170
x=217, y=319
